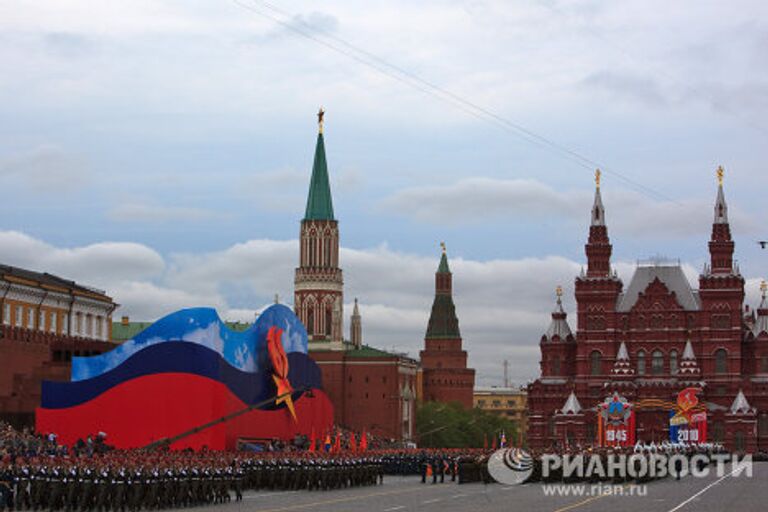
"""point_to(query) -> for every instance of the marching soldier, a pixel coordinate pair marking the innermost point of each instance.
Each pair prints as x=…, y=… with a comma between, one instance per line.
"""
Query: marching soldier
x=6, y=487
x=23, y=483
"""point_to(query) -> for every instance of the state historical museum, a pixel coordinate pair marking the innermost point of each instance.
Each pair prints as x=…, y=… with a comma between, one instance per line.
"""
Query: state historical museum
x=657, y=360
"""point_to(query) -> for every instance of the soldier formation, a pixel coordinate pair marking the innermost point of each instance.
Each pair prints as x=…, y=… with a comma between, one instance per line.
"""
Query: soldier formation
x=133, y=480
x=462, y=465
x=38, y=474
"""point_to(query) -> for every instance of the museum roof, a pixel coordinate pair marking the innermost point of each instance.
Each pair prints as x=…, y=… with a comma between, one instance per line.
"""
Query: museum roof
x=671, y=275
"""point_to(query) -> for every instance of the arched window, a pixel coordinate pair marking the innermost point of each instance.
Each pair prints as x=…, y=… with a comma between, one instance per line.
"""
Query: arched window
x=718, y=432
x=721, y=361
x=311, y=321
x=762, y=425
x=641, y=362
x=673, y=362
x=328, y=321
x=738, y=441
x=555, y=365
x=596, y=359
x=657, y=362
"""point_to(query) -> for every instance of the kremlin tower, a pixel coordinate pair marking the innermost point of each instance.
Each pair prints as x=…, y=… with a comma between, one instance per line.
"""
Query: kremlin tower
x=372, y=390
x=318, y=285
x=444, y=362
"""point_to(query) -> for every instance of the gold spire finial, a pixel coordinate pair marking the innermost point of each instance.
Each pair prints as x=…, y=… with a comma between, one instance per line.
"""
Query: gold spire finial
x=720, y=174
x=559, y=291
x=442, y=246
x=597, y=178
x=320, y=114
x=764, y=287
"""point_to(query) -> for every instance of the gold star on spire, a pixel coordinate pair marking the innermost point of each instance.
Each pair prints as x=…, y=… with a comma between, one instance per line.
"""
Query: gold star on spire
x=597, y=177
x=320, y=114
x=559, y=291
x=720, y=174
x=442, y=246
x=764, y=287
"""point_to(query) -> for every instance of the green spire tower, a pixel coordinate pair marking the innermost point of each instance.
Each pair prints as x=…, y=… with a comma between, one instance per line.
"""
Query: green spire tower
x=443, y=322
x=319, y=201
x=318, y=285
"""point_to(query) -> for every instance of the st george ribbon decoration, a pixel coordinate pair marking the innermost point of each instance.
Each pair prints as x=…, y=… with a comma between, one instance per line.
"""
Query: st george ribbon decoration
x=280, y=369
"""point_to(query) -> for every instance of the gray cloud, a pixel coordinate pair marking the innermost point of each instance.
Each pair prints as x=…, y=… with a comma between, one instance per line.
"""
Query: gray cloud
x=282, y=190
x=503, y=305
x=285, y=190
x=101, y=264
x=626, y=85
x=481, y=198
x=314, y=22
x=67, y=44
x=317, y=21
x=47, y=168
x=477, y=200
x=151, y=213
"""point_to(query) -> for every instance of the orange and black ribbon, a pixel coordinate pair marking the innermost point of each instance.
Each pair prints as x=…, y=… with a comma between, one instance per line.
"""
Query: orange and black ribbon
x=280, y=369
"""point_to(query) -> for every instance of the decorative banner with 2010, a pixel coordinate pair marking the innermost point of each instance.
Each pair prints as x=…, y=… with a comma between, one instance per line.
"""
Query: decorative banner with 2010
x=688, y=420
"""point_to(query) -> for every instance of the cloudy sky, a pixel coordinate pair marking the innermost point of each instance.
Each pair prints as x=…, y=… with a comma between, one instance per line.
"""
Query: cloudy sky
x=161, y=149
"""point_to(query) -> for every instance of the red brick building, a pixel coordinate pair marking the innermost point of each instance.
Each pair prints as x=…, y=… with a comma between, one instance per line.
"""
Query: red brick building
x=44, y=321
x=652, y=339
x=446, y=377
x=371, y=389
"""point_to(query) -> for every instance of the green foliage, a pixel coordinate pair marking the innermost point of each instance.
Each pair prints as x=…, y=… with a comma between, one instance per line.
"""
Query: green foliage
x=449, y=425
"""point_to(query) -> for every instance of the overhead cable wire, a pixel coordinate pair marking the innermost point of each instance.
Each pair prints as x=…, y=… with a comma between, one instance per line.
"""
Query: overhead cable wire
x=338, y=45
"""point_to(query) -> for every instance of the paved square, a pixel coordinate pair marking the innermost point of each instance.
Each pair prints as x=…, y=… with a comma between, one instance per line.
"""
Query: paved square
x=711, y=494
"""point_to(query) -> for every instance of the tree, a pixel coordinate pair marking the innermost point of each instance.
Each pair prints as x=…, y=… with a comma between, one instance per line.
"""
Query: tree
x=449, y=425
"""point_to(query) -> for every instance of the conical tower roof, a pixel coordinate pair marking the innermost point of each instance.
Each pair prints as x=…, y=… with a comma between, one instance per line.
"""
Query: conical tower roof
x=598, y=210
x=572, y=405
x=761, y=322
x=356, y=309
x=443, y=322
x=688, y=365
x=740, y=404
x=622, y=366
x=721, y=207
x=443, y=267
x=319, y=201
x=559, y=327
